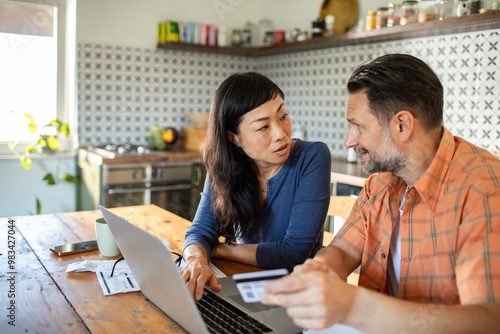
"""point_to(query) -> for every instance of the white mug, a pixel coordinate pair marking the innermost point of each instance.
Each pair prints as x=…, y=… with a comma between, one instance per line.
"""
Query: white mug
x=105, y=240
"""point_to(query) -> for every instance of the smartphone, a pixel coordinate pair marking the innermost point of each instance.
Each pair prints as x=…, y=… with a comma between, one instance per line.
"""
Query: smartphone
x=79, y=247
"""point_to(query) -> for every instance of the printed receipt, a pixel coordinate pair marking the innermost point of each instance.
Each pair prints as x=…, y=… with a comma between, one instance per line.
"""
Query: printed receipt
x=123, y=280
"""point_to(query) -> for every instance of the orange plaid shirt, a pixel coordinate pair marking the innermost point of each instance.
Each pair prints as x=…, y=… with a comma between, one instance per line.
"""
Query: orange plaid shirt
x=450, y=228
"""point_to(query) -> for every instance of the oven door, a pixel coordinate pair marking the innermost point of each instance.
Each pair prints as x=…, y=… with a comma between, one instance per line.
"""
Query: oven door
x=175, y=198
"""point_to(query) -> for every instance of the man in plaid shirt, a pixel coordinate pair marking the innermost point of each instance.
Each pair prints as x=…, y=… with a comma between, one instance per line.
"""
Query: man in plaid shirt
x=425, y=230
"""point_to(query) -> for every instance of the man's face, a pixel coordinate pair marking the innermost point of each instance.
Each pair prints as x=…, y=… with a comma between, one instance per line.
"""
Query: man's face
x=371, y=140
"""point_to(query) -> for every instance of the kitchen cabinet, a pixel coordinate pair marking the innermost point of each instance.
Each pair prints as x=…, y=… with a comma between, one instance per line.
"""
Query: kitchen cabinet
x=475, y=22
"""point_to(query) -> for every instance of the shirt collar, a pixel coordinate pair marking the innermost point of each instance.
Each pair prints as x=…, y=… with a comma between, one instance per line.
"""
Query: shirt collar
x=429, y=185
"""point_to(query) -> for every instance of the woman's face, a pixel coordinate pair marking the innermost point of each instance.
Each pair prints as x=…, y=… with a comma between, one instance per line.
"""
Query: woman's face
x=264, y=134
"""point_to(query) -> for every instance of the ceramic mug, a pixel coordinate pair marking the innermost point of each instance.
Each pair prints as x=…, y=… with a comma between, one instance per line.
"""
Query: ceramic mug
x=105, y=240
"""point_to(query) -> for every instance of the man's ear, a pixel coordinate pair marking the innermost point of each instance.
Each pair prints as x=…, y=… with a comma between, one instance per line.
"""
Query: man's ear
x=232, y=138
x=405, y=125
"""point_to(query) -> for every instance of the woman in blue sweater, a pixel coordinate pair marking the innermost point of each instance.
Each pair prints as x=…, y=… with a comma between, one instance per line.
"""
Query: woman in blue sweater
x=265, y=192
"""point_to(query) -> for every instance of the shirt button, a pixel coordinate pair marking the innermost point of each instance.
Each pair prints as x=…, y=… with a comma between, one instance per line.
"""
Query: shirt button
x=383, y=255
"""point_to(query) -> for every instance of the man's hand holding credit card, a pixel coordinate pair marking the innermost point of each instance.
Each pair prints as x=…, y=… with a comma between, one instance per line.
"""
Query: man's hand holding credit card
x=251, y=285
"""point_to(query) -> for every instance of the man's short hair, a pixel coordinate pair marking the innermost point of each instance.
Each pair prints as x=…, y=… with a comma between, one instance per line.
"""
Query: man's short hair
x=397, y=82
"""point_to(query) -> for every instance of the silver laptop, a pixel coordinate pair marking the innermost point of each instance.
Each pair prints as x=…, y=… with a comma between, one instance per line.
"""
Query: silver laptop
x=151, y=262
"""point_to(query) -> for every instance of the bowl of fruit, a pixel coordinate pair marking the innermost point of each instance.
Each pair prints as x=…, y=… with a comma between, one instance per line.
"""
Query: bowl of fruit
x=160, y=138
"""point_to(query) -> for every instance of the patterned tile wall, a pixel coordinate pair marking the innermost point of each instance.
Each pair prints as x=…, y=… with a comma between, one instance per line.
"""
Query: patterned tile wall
x=123, y=91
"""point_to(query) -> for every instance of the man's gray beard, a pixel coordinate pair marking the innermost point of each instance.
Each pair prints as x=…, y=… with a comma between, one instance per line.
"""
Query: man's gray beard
x=393, y=164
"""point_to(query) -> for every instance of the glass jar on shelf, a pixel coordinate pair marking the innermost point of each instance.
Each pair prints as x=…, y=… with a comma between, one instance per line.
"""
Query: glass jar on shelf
x=445, y=9
x=382, y=16
x=427, y=10
x=410, y=12
x=236, y=37
x=488, y=5
x=371, y=20
x=395, y=13
x=463, y=8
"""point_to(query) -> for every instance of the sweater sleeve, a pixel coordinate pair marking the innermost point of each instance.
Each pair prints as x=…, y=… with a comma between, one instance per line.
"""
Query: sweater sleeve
x=203, y=229
x=310, y=200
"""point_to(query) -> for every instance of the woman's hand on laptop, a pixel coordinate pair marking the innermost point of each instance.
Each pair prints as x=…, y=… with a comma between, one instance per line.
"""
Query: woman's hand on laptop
x=197, y=273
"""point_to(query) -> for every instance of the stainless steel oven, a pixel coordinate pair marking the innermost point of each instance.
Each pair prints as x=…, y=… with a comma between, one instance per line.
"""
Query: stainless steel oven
x=166, y=184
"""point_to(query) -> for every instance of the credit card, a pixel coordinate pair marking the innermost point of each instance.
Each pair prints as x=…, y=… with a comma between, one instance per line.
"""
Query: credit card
x=251, y=285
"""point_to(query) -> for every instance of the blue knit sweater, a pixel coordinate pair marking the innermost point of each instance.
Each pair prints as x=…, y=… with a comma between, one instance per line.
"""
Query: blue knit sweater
x=296, y=205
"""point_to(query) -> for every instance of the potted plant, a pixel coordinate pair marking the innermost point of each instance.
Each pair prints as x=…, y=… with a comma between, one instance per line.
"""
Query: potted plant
x=44, y=141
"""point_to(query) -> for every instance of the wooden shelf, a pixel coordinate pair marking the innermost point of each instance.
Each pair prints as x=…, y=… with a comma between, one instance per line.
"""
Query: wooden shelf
x=475, y=22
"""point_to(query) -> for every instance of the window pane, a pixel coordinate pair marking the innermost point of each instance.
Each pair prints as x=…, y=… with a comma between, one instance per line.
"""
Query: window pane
x=28, y=83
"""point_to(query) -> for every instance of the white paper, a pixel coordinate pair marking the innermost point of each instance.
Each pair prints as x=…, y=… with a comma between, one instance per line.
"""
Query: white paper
x=96, y=265
x=123, y=280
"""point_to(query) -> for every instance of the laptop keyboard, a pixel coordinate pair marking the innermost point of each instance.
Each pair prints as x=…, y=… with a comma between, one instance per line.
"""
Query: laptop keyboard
x=222, y=317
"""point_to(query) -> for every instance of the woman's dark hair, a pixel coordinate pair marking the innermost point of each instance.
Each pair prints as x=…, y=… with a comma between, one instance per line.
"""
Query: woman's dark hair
x=397, y=82
x=235, y=187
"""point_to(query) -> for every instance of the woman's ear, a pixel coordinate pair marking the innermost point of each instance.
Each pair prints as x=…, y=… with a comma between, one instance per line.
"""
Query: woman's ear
x=232, y=138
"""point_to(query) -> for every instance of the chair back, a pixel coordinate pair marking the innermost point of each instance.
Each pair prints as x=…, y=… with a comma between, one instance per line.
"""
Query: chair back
x=341, y=206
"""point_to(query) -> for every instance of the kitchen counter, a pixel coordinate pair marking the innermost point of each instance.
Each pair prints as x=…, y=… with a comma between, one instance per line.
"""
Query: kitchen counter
x=173, y=155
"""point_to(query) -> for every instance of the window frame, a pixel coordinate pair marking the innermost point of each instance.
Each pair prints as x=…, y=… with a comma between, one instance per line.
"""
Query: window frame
x=66, y=69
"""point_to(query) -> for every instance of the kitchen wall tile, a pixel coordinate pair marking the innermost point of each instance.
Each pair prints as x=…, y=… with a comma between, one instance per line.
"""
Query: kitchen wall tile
x=123, y=91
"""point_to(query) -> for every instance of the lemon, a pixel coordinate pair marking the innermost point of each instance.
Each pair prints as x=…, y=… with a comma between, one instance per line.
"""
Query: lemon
x=168, y=136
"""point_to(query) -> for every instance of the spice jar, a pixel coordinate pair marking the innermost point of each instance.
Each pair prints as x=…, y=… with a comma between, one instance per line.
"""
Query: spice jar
x=463, y=8
x=427, y=10
x=236, y=38
x=318, y=27
x=410, y=12
x=444, y=9
x=371, y=20
x=488, y=5
x=395, y=13
x=382, y=16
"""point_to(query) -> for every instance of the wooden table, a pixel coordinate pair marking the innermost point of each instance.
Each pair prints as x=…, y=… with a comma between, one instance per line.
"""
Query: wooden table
x=46, y=299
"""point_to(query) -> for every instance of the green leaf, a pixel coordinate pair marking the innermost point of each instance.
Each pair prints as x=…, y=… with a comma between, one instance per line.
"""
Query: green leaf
x=30, y=117
x=69, y=178
x=32, y=127
x=64, y=129
x=41, y=142
x=30, y=149
x=11, y=145
x=50, y=179
x=25, y=162
x=55, y=123
x=38, y=206
x=53, y=143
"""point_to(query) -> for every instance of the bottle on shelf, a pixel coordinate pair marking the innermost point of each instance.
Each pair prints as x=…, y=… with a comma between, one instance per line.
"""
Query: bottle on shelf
x=382, y=16
x=427, y=10
x=395, y=13
x=410, y=12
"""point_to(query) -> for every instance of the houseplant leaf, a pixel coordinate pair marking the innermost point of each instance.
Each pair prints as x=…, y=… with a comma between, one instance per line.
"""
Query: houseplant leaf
x=38, y=206
x=49, y=178
x=32, y=126
x=55, y=123
x=41, y=142
x=30, y=149
x=69, y=178
x=25, y=162
x=53, y=143
x=64, y=129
